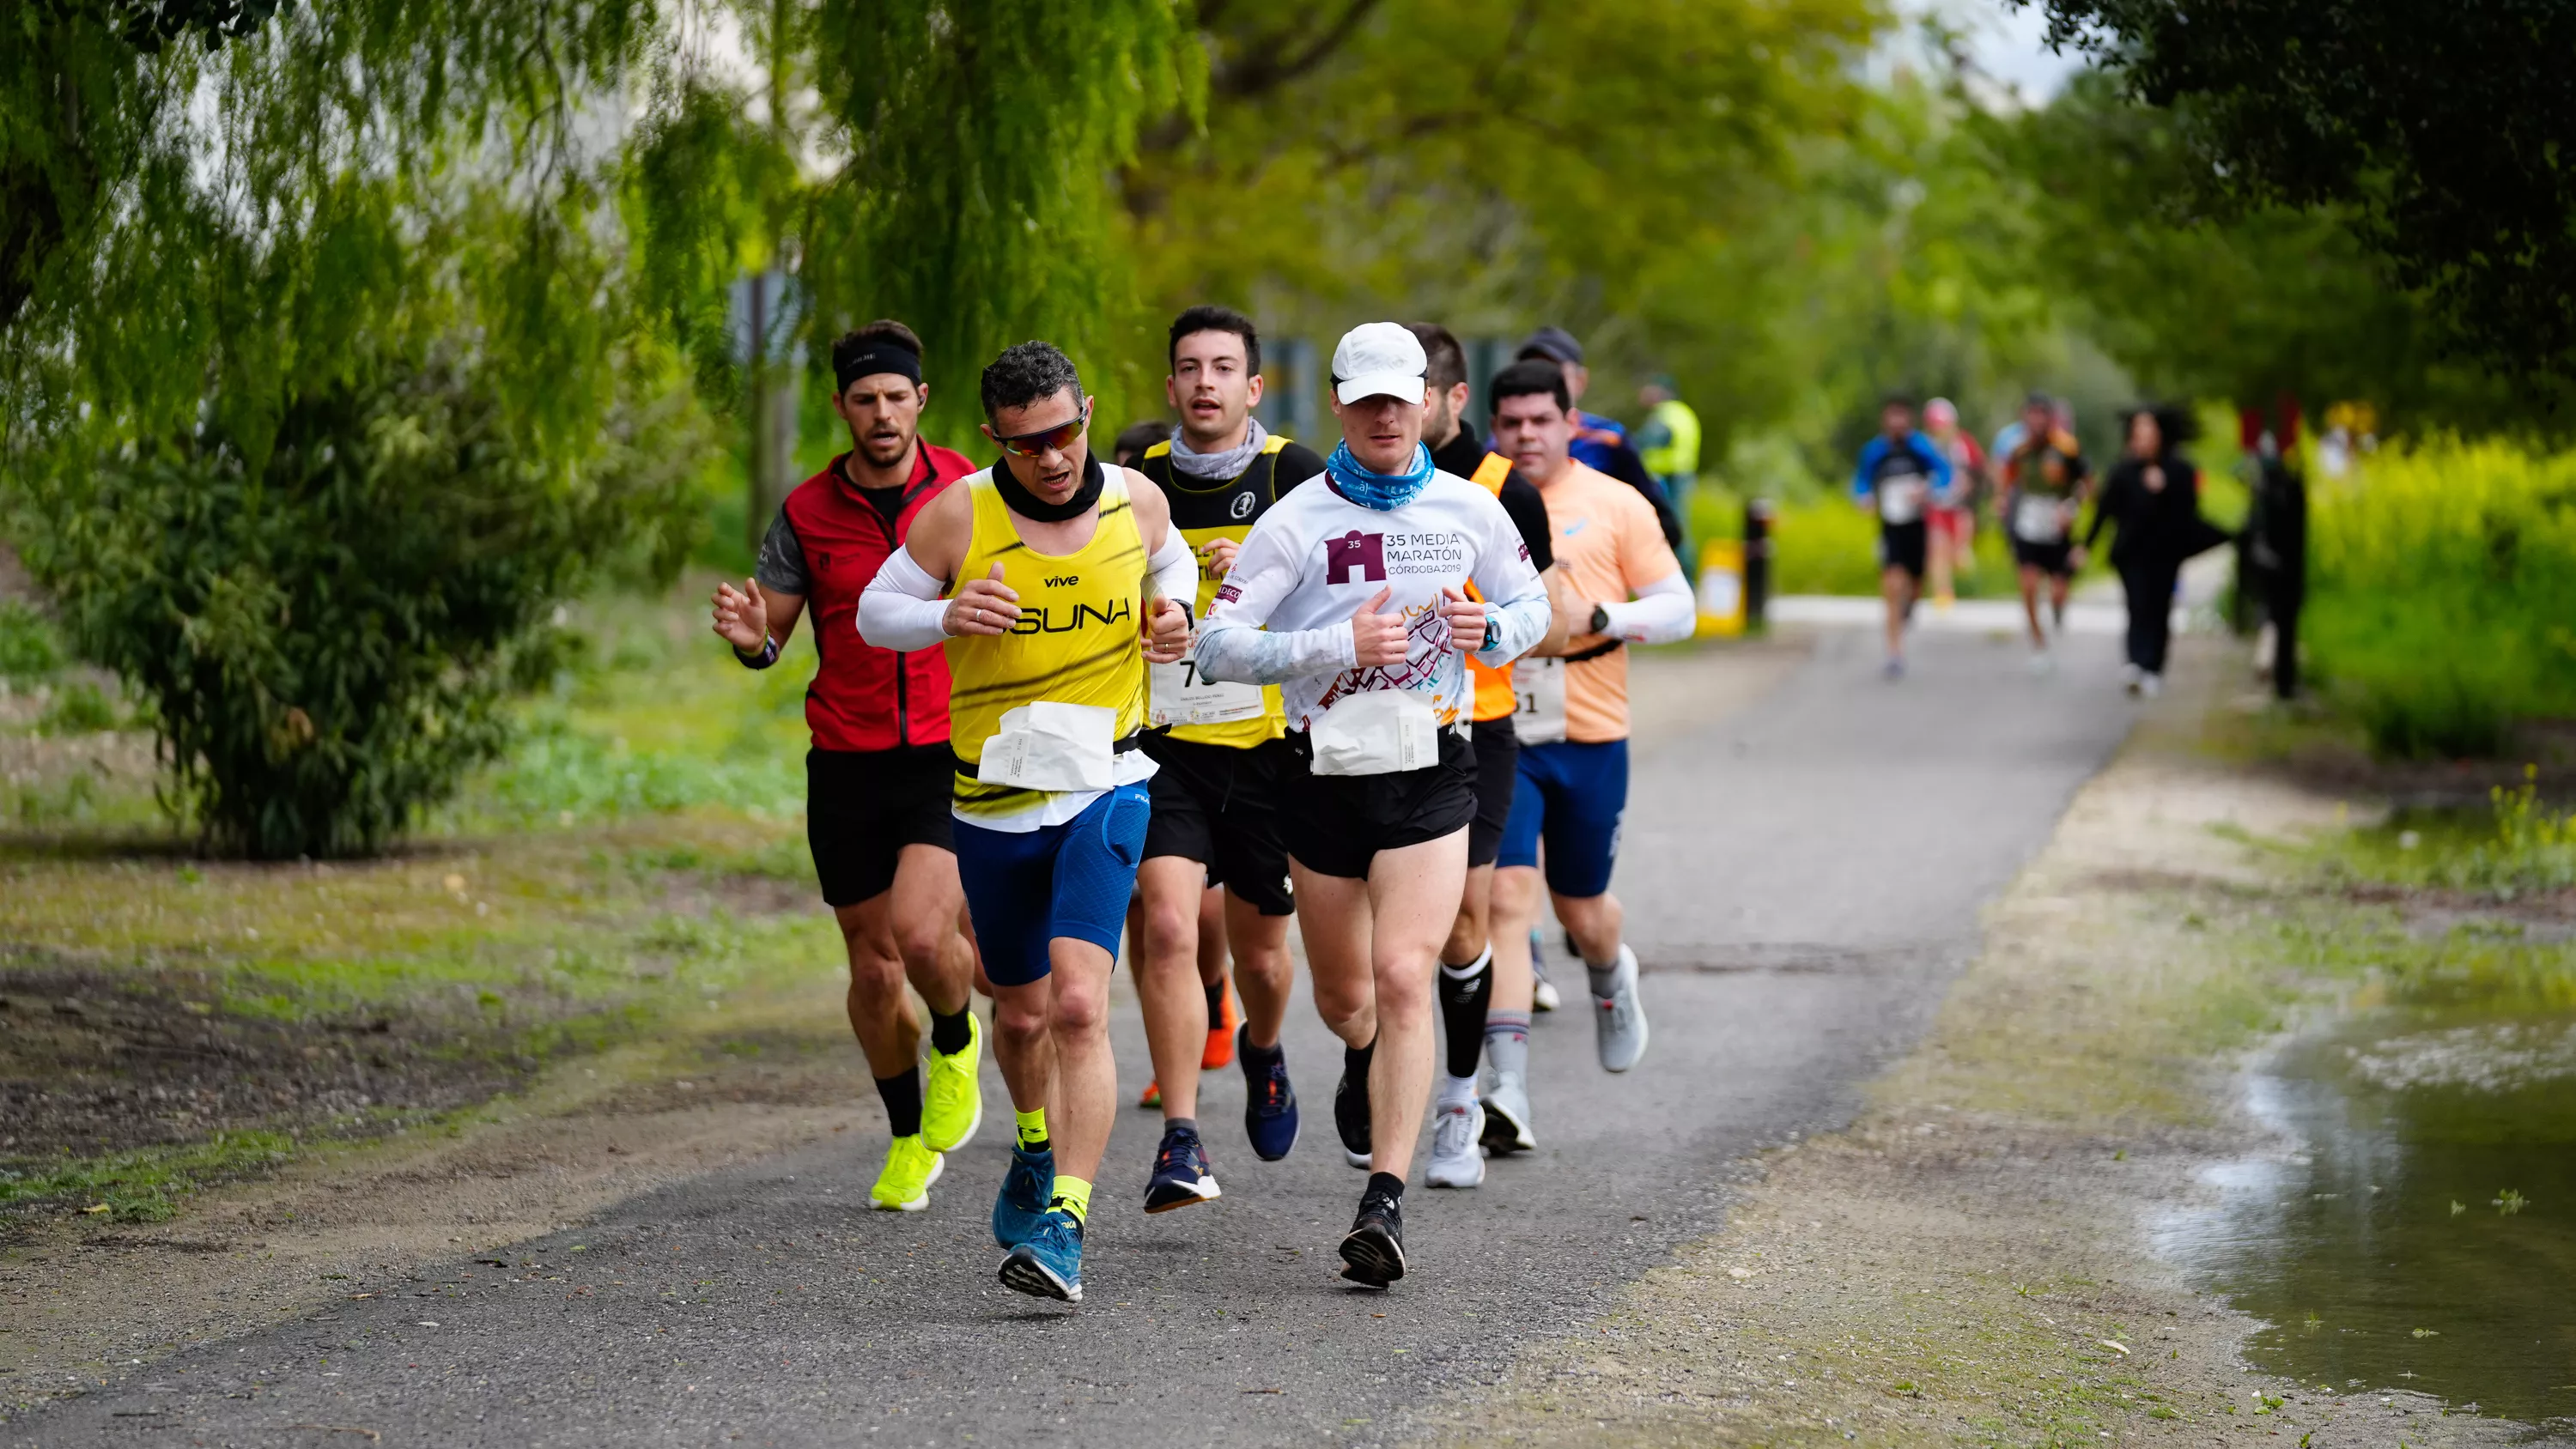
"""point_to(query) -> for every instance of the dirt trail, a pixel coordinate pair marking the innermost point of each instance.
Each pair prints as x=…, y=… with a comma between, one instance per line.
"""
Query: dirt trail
x=1967, y=1264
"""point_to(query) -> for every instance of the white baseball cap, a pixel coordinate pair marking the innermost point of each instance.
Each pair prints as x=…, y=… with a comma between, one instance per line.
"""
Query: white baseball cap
x=1379, y=359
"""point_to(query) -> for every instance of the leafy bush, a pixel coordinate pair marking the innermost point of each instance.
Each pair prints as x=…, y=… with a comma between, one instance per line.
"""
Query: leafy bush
x=2443, y=593
x=328, y=625
x=78, y=708
x=29, y=648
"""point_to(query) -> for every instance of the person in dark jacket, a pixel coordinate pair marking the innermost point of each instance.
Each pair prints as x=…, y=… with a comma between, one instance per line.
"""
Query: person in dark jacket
x=2153, y=494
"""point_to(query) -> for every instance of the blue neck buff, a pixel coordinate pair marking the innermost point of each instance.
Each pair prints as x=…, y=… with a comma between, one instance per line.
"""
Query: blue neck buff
x=1384, y=492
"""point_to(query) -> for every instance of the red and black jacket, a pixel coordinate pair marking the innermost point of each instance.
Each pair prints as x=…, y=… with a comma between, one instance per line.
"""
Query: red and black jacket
x=828, y=542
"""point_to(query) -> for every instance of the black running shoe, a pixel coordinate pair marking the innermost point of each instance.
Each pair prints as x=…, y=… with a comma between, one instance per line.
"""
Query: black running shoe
x=1181, y=1176
x=1351, y=1119
x=1373, y=1252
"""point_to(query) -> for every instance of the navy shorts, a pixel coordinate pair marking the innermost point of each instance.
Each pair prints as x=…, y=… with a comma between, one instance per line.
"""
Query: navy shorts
x=1572, y=795
x=1025, y=888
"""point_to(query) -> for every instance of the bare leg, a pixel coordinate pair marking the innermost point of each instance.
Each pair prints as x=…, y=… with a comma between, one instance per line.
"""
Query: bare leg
x=881, y=1014
x=1212, y=936
x=1594, y=922
x=927, y=904
x=1086, y=1098
x=1333, y=917
x=1264, y=972
x=1514, y=912
x=1897, y=587
x=1939, y=548
x=1471, y=932
x=1167, y=977
x=2030, y=605
x=1412, y=901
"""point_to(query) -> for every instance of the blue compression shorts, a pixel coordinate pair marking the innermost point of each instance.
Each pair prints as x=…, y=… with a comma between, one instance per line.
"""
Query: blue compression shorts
x=1573, y=795
x=1026, y=888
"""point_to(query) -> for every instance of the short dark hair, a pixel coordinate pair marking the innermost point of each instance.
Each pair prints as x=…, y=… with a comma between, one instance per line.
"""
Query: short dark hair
x=1447, y=360
x=884, y=329
x=1204, y=318
x=1528, y=379
x=1903, y=400
x=1026, y=373
x=1135, y=438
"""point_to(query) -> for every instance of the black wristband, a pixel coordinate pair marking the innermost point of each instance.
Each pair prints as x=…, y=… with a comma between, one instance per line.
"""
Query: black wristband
x=767, y=656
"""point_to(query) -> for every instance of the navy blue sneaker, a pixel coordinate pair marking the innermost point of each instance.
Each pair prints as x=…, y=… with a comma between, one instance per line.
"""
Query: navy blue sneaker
x=1351, y=1119
x=1049, y=1264
x=1270, y=1104
x=1181, y=1176
x=1020, y=1207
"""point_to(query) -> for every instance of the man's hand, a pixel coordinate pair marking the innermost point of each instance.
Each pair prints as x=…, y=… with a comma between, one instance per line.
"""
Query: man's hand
x=1167, y=632
x=1378, y=638
x=1465, y=618
x=1219, y=556
x=742, y=616
x=983, y=606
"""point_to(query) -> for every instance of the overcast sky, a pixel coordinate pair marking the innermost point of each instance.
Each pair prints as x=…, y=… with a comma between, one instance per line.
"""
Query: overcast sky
x=2006, y=41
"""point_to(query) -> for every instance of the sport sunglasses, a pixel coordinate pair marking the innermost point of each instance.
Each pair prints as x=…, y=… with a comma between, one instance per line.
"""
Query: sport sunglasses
x=1046, y=440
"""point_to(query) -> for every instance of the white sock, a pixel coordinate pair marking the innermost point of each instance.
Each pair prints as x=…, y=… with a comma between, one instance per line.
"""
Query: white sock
x=1456, y=1089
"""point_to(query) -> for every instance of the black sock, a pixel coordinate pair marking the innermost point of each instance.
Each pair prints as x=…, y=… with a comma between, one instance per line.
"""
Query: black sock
x=1355, y=1061
x=1261, y=1056
x=1216, y=1004
x=949, y=1034
x=1387, y=1183
x=1465, y=991
x=902, y=1094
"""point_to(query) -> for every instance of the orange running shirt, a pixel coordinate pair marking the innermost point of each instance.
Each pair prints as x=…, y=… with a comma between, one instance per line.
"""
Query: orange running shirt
x=1606, y=535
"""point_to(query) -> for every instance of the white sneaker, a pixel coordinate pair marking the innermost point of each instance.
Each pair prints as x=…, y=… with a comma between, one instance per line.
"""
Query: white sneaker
x=2042, y=663
x=1457, y=1150
x=1505, y=1112
x=1619, y=1019
x=1543, y=995
x=2151, y=685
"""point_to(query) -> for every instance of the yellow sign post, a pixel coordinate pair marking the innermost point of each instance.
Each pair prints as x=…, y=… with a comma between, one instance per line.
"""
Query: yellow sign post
x=1721, y=588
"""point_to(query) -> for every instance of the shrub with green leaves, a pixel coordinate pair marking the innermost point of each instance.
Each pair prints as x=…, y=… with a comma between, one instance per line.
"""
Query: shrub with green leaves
x=330, y=634
x=2443, y=593
x=29, y=649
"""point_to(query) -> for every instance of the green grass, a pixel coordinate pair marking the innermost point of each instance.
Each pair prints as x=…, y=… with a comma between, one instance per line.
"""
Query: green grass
x=147, y=1184
x=2518, y=847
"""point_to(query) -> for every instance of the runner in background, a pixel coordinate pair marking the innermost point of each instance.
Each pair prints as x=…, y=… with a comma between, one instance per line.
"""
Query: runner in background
x=1600, y=443
x=1953, y=537
x=1900, y=470
x=1135, y=438
x=1668, y=443
x=1466, y=962
x=1037, y=577
x=1222, y=759
x=1573, y=731
x=876, y=779
x=2045, y=482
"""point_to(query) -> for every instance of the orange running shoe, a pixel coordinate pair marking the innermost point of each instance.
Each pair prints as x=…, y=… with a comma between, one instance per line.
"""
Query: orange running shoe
x=1153, y=1094
x=1220, y=1042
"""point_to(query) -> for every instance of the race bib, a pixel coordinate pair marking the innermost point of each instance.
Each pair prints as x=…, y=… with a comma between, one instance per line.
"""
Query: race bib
x=1538, y=692
x=1051, y=746
x=1900, y=500
x=1377, y=733
x=2038, y=520
x=1176, y=695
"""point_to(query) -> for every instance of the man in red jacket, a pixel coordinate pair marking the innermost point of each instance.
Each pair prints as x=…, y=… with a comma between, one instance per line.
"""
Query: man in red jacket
x=877, y=778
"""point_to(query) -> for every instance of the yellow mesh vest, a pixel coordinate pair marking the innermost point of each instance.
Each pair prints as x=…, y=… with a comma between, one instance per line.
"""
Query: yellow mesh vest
x=1076, y=642
x=1201, y=512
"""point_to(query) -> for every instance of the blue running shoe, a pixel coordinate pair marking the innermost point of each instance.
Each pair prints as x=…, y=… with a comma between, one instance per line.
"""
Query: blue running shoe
x=1270, y=1104
x=1181, y=1174
x=1020, y=1208
x=1049, y=1264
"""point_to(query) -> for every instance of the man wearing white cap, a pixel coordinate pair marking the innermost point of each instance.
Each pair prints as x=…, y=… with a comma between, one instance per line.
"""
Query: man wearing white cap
x=1352, y=597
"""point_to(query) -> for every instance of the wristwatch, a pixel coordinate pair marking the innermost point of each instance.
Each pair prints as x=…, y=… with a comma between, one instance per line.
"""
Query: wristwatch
x=1600, y=619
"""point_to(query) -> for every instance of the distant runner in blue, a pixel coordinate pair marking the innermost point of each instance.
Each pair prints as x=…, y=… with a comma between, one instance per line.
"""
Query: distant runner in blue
x=1901, y=472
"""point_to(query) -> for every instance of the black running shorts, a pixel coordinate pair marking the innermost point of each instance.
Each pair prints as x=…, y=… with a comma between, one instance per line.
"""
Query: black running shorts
x=2054, y=559
x=1904, y=546
x=1498, y=757
x=862, y=807
x=1219, y=805
x=1336, y=824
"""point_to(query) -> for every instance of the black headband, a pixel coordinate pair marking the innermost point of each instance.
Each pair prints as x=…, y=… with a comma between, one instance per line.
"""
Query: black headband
x=879, y=354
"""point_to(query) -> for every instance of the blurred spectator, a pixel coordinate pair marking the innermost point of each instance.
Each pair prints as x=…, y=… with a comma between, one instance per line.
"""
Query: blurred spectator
x=1668, y=443
x=1600, y=443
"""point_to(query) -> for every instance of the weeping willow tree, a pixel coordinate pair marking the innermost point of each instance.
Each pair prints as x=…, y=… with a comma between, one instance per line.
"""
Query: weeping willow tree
x=956, y=173
x=323, y=384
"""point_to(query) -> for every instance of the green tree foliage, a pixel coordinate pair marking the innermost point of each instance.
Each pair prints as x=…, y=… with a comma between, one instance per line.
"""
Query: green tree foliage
x=2442, y=132
x=333, y=388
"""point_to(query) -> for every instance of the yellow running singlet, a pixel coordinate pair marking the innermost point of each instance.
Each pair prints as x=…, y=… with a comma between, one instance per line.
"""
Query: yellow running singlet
x=1077, y=640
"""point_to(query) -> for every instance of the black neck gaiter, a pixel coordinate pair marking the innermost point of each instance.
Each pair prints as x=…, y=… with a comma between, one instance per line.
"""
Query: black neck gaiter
x=1028, y=505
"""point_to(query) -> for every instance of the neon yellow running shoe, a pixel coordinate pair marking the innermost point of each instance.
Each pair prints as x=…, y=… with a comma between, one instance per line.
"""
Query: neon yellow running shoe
x=910, y=1169
x=952, y=1101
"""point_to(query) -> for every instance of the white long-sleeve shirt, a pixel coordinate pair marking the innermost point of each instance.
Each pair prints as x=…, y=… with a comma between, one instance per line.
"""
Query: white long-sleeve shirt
x=1284, y=614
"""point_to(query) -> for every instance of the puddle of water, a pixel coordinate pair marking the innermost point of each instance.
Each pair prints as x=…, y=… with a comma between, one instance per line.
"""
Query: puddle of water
x=2426, y=1237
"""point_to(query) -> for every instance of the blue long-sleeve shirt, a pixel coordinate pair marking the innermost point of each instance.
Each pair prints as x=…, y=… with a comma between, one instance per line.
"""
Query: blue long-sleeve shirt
x=1879, y=459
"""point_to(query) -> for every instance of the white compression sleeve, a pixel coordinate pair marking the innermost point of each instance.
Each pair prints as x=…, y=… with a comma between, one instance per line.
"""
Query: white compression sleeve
x=1662, y=612
x=1176, y=570
x=1241, y=654
x=902, y=608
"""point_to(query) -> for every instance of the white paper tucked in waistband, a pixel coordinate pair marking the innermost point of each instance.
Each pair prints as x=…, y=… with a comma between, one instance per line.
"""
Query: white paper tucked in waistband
x=1052, y=746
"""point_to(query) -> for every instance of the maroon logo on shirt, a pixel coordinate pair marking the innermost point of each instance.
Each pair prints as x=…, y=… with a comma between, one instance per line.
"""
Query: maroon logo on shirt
x=1228, y=593
x=1355, y=553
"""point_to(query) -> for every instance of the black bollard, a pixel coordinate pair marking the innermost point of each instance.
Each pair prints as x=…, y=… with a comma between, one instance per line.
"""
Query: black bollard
x=1757, y=562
